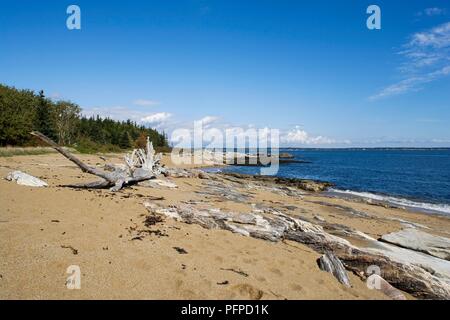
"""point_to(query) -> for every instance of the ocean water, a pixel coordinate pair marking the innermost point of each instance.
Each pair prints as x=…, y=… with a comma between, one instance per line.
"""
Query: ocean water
x=416, y=178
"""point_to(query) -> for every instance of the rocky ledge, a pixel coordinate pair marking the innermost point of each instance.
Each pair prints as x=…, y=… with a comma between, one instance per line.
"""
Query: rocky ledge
x=303, y=184
x=420, y=241
x=412, y=261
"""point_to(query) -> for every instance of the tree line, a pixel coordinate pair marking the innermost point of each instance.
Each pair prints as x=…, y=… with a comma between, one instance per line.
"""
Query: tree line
x=22, y=111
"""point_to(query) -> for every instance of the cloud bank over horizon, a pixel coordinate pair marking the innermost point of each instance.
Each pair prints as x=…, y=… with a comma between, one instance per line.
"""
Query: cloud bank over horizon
x=295, y=136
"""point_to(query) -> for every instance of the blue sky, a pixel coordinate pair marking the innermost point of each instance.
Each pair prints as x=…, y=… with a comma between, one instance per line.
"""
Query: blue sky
x=309, y=68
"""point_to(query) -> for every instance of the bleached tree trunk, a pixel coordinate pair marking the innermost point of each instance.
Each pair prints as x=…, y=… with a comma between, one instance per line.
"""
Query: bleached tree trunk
x=115, y=180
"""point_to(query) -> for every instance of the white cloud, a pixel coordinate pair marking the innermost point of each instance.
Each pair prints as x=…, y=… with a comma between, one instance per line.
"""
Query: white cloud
x=299, y=136
x=398, y=88
x=438, y=37
x=206, y=121
x=426, y=59
x=145, y=103
x=434, y=11
x=156, y=119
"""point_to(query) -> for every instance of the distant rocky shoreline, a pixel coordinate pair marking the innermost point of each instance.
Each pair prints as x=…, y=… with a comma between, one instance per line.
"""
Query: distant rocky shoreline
x=304, y=184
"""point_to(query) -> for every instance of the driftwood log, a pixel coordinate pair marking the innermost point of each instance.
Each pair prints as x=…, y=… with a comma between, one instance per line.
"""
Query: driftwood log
x=141, y=165
x=330, y=263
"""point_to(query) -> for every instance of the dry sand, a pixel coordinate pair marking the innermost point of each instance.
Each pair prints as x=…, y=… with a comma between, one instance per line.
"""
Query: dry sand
x=40, y=226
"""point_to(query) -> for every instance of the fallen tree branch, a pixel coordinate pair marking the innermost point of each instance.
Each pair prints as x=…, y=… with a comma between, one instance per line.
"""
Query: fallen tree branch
x=117, y=179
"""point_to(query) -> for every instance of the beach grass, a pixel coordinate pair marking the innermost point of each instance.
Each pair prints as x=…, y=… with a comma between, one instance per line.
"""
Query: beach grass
x=31, y=151
x=22, y=151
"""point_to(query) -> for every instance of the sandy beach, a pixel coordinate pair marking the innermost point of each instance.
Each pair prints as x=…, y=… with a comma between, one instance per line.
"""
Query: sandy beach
x=45, y=230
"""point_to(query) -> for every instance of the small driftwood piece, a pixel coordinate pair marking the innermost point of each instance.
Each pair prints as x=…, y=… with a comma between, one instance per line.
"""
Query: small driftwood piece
x=144, y=168
x=330, y=263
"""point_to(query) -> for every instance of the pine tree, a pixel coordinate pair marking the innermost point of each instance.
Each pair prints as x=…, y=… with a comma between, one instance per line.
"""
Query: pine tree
x=125, y=140
x=44, y=122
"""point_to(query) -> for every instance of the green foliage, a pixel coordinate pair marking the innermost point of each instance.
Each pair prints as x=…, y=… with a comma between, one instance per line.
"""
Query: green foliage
x=124, y=134
x=86, y=145
x=66, y=118
x=22, y=111
x=125, y=140
x=17, y=115
x=44, y=119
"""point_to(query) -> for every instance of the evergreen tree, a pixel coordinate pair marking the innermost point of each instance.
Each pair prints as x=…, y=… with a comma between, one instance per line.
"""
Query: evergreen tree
x=44, y=123
x=125, y=140
x=22, y=111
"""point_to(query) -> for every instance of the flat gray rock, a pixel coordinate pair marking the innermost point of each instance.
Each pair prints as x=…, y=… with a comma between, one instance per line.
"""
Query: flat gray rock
x=420, y=241
x=155, y=183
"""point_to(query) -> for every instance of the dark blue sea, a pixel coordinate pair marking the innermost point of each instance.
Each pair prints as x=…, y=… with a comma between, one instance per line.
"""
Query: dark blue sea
x=417, y=178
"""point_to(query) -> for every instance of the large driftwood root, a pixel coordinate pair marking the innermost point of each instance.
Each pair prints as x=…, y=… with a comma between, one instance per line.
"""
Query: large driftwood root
x=141, y=164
